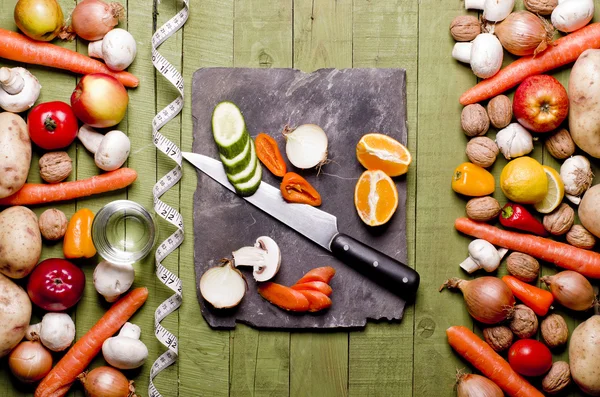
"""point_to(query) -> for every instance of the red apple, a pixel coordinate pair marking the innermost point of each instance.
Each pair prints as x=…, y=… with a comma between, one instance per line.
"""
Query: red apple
x=56, y=285
x=99, y=100
x=541, y=103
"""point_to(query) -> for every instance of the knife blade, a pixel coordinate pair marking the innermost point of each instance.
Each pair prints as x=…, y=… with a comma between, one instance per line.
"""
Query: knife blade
x=320, y=227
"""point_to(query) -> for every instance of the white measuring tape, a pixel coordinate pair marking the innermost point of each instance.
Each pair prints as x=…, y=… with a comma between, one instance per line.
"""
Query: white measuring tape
x=162, y=209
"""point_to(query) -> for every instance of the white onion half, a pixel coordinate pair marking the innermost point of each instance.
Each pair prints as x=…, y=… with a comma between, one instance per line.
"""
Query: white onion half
x=306, y=146
x=223, y=286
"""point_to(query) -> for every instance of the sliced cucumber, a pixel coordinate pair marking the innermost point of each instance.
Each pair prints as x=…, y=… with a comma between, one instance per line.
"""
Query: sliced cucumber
x=248, y=172
x=229, y=129
x=239, y=162
x=249, y=187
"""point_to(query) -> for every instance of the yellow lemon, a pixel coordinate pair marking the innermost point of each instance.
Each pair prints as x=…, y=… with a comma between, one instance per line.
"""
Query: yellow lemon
x=523, y=180
x=556, y=192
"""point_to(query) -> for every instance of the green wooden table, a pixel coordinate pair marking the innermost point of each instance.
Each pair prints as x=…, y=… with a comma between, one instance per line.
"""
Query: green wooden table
x=407, y=359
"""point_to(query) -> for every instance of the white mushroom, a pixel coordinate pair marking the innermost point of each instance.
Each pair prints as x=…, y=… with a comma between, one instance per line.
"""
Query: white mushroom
x=56, y=331
x=493, y=10
x=126, y=350
x=19, y=89
x=483, y=255
x=485, y=55
x=117, y=48
x=112, y=280
x=110, y=150
x=571, y=15
x=264, y=257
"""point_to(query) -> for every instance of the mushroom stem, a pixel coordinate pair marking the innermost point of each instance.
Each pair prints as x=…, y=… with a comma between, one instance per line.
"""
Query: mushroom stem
x=11, y=81
x=90, y=138
x=462, y=52
x=95, y=49
x=474, y=4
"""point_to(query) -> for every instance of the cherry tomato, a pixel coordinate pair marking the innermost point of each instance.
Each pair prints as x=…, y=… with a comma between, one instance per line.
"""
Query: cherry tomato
x=56, y=285
x=52, y=125
x=530, y=357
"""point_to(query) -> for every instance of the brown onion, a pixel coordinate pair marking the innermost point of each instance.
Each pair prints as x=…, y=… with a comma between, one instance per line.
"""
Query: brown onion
x=106, y=382
x=30, y=361
x=471, y=385
x=92, y=19
x=571, y=290
x=488, y=299
x=524, y=33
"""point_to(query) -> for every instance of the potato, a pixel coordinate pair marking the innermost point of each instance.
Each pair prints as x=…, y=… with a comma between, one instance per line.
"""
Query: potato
x=584, y=356
x=15, y=153
x=589, y=210
x=20, y=242
x=584, y=102
x=15, y=314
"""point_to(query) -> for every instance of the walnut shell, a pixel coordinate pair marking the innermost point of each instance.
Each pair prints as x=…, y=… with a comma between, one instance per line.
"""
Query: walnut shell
x=499, y=338
x=579, y=237
x=465, y=28
x=483, y=209
x=500, y=111
x=474, y=120
x=554, y=330
x=522, y=266
x=558, y=378
x=560, y=220
x=53, y=224
x=482, y=151
x=560, y=144
x=542, y=7
x=55, y=166
x=524, y=322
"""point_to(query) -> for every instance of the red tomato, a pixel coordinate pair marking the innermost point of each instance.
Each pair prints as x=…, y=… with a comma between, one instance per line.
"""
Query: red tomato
x=52, y=125
x=530, y=357
x=56, y=285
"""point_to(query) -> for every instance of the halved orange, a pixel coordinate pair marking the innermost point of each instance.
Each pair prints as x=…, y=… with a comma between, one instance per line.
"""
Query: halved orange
x=375, y=197
x=381, y=152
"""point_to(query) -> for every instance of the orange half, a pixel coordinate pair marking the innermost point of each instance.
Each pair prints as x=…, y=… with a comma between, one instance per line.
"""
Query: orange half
x=380, y=152
x=375, y=197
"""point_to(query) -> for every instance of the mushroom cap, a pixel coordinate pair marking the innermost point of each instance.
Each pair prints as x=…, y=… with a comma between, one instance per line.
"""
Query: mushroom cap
x=272, y=259
x=497, y=10
x=57, y=331
x=484, y=254
x=571, y=15
x=118, y=49
x=486, y=55
x=112, y=151
x=112, y=280
x=124, y=353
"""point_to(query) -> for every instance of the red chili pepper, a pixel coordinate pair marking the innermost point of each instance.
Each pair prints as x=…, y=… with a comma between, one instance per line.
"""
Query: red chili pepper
x=517, y=217
x=296, y=189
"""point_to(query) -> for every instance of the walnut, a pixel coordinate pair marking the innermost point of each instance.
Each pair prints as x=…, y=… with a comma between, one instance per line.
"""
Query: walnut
x=522, y=266
x=542, y=7
x=55, y=167
x=579, y=237
x=482, y=151
x=500, y=111
x=465, y=28
x=53, y=224
x=499, y=338
x=560, y=221
x=483, y=209
x=557, y=379
x=560, y=144
x=474, y=120
x=554, y=330
x=524, y=322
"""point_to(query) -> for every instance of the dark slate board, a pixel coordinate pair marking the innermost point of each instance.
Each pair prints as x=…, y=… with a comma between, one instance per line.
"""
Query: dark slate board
x=346, y=104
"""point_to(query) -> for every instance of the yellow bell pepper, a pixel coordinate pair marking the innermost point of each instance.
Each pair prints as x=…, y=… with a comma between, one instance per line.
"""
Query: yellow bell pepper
x=78, y=238
x=472, y=180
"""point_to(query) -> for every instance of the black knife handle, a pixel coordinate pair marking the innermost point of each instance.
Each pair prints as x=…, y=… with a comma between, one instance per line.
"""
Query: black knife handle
x=384, y=270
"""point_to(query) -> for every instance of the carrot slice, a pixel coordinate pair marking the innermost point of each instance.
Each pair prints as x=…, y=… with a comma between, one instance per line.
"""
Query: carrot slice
x=320, y=286
x=284, y=297
x=323, y=274
x=316, y=300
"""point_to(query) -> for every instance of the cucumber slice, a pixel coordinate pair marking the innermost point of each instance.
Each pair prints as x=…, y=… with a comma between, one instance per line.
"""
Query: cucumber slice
x=248, y=172
x=229, y=129
x=239, y=162
x=250, y=187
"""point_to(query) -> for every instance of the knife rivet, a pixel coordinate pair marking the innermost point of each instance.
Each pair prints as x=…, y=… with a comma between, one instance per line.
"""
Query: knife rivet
x=346, y=248
x=375, y=264
x=404, y=280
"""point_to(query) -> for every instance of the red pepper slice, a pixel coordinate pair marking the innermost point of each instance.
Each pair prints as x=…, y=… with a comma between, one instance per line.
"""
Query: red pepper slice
x=268, y=153
x=296, y=189
x=517, y=217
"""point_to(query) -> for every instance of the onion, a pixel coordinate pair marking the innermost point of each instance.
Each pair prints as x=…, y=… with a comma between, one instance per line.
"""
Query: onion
x=571, y=290
x=306, y=146
x=92, y=19
x=223, y=286
x=524, y=33
x=488, y=299
x=471, y=385
x=106, y=382
x=30, y=361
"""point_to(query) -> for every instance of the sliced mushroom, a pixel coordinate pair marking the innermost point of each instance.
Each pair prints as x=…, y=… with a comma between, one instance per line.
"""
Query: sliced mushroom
x=264, y=257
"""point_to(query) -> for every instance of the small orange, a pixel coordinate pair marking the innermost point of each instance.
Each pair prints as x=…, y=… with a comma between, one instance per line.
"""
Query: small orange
x=380, y=152
x=375, y=197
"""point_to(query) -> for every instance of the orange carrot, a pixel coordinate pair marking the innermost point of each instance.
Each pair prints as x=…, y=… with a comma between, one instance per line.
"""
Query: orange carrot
x=81, y=354
x=314, y=286
x=20, y=48
x=537, y=299
x=564, y=51
x=490, y=363
x=563, y=255
x=39, y=193
x=317, y=301
x=323, y=274
x=284, y=297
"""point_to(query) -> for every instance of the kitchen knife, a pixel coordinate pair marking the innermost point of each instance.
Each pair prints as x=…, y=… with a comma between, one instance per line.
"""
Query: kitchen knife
x=321, y=227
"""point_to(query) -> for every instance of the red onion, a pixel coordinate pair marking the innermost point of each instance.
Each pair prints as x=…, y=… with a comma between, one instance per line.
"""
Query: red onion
x=92, y=19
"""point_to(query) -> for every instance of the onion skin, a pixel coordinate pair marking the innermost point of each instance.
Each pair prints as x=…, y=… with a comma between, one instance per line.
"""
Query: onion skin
x=106, y=382
x=92, y=19
x=30, y=362
x=571, y=290
x=471, y=385
x=524, y=33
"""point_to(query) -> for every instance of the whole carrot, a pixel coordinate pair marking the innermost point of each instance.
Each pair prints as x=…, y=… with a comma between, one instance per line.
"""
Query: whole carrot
x=563, y=51
x=39, y=193
x=20, y=48
x=537, y=299
x=563, y=255
x=81, y=354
